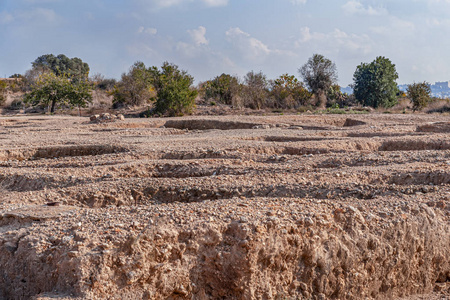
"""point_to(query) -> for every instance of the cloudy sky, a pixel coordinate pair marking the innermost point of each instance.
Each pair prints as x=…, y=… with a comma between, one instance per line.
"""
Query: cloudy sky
x=210, y=37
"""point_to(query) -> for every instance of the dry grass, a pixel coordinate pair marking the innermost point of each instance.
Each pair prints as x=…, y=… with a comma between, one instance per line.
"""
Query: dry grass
x=439, y=106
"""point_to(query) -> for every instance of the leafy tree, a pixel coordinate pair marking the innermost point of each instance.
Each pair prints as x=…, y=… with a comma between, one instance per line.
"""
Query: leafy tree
x=420, y=94
x=289, y=92
x=135, y=87
x=50, y=90
x=60, y=65
x=255, y=91
x=223, y=88
x=319, y=74
x=175, y=94
x=375, y=83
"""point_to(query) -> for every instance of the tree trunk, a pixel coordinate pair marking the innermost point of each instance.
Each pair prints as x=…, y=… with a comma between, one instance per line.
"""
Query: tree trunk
x=322, y=100
x=52, y=110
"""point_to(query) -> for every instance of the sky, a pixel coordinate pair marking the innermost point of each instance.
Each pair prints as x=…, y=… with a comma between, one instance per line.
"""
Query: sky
x=211, y=37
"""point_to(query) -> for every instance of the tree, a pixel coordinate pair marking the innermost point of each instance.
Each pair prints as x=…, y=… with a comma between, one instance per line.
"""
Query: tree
x=50, y=90
x=319, y=74
x=255, y=92
x=289, y=92
x=223, y=88
x=175, y=94
x=102, y=83
x=60, y=65
x=135, y=87
x=375, y=83
x=420, y=94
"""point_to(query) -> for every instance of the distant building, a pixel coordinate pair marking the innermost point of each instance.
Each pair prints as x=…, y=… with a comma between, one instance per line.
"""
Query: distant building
x=442, y=85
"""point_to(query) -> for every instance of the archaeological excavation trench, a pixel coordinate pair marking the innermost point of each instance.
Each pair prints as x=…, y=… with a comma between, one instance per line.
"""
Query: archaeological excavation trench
x=236, y=207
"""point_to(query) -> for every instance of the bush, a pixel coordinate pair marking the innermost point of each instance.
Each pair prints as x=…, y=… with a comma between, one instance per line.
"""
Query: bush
x=102, y=83
x=439, y=106
x=420, y=94
x=175, y=94
x=16, y=105
x=135, y=87
x=255, y=91
x=288, y=92
x=3, y=87
x=222, y=89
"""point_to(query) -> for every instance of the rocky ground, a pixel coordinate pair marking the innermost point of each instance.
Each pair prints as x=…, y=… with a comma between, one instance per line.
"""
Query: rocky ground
x=230, y=207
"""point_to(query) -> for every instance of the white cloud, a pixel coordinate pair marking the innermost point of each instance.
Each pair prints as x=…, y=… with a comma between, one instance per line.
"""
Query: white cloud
x=149, y=31
x=298, y=1
x=215, y=2
x=198, y=36
x=171, y=3
x=353, y=7
x=336, y=41
x=168, y=3
x=250, y=47
x=395, y=27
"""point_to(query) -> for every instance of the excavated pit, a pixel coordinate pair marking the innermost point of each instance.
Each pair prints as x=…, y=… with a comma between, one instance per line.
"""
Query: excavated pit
x=313, y=207
x=59, y=151
x=209, y=124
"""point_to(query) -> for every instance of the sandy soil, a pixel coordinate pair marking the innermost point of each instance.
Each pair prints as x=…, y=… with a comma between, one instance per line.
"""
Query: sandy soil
x=229, y=207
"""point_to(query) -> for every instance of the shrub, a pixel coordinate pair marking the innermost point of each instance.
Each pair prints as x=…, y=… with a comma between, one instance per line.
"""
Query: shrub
x=223, y=89
x=255, y=92
x=175, y=94
x=135, y=87
x=288, y=92
x=420, y=94
x=3, y=87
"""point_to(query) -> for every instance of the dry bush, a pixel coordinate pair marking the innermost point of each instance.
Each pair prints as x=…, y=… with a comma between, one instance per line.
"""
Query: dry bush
x=439, y=106
x=402, y=105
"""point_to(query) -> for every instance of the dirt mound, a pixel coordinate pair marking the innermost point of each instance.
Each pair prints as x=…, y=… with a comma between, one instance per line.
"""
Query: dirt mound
x=435, y=127
x=414, y=145
x=353, y=122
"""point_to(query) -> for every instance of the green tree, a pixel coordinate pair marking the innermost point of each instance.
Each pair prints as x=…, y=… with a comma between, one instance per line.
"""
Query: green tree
x=289, y=92
x=420, y=94
x=60, y=65
x=319, y=74
x=223, y=89
x=50, y=90
x=135, y=87
x=175, y=94
x=375, y=83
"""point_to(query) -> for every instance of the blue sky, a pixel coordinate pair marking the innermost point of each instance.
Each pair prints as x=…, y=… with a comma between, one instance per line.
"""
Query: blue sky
x=210, y=37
